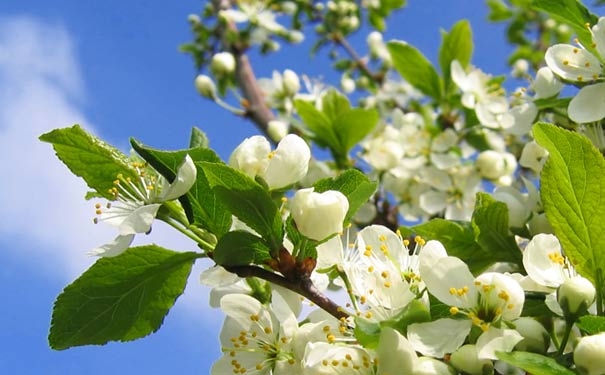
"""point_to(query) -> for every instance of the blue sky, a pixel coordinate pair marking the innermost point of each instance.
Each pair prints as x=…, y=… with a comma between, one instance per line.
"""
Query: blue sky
x=113, y=66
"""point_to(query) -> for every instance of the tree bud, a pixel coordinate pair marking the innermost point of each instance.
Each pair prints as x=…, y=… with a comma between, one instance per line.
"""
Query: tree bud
x=491, y=164
x=291, y=82
x=535, y=336
x=223, y=63
x=466, y=359
x=277, y=129
x=319, y=215
x=575, y=295
x=205, y=86
x=589, y=354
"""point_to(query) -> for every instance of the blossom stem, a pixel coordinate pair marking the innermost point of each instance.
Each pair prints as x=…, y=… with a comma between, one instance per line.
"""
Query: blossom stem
x=344, y=278
x=599, y=287
x=207, y=246
x=303, y=286
x=568, y=327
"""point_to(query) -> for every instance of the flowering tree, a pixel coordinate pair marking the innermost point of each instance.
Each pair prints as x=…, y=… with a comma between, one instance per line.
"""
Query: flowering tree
x=455, y=228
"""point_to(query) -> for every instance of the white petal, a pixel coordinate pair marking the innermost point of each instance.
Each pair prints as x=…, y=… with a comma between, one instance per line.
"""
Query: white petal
x=459, y=75
x=139, y=220
x=433, y=202
x=524, y=116
x=448, y=273
x=395, y=353
x=242, y=308
x=589, y=104
x=572, y=63
x=598, y=36
x=251, y=156
x=546, y=85
x=439, y=337
x=218, y=276
x=538, y=263
x=431, y=252
x=218, y=292
x=115, y=247
x=184, y=180
x=289, y=163
x=497, y=340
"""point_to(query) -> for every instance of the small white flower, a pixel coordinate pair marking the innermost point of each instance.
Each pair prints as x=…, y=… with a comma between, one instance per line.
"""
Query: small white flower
x=136, y=203
x=546, y=84
x=205, y=86
x=285, y=166
x=319, y=215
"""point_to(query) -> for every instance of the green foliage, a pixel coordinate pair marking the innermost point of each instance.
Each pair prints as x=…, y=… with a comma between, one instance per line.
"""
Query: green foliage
x=591, y=324
x=198, y=138
x=367, y=332
x=415, y=312
x=88, y=157
x=121, y=298
x=572, y=13
x=533, y=363
x=481, y=243
x=416, y=69
x=376, y=15
x=239, y=248
x=201, y=204
x=355, y=185
x=247, y=200
x=456, y=45
x=498, y=10
x=490, y=226
x=337, y=126
x=572, y=190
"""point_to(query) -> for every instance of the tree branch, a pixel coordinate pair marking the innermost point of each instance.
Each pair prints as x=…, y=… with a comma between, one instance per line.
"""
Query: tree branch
x=256, y=109
x=360, y=63
x=303, y=286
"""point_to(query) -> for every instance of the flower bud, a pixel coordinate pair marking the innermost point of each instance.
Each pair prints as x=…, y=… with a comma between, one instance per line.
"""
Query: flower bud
x=194, y=19
x=291, y=82
x=466, y=359
x=205, y=86
x=223, y=63
x=347, y=84
x=491, y=164
x=546, y=84
x=575, y=295
x=250, y=156
x=535, y=336
x=533, y=156
x=520, y=68
x=589, y=353
x=319, y=215
x=277, y=129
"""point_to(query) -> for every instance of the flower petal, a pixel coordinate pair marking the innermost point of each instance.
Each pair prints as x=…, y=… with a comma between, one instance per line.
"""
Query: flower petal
x=139, y=220
x=447, y=274
x=589, y=104
x=439, y=337
x=497, y=340
x=572, y=63
x=289, y=163
x=115, y=247
x=184, y=180
x=395, y=353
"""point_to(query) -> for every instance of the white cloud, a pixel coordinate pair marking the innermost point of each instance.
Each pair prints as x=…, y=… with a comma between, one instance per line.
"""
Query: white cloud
x=43, y=210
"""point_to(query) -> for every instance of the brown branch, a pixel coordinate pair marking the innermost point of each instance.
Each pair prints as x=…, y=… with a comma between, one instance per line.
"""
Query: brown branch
x=303, y=286
x=359, y=61
x=256, y=108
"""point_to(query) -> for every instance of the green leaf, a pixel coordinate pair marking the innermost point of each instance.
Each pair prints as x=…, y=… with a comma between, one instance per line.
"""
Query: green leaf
x=490, y=225
x=353, y=126
x=533, y=363
x=247, y=200
x=572, y=13
x=334, y=104
x=456, y=45
x=198, y=138
x=534, y=305
x=416, y=69
x=591, y=324
x=458, y=240
x=240, y=248
x=122, y=298
x=201, y=204
x=88, y=157
x=572, y=191
x=318, y=123
x=498, y=10
x=367, y=333
x=415, y=312
x=355, y=185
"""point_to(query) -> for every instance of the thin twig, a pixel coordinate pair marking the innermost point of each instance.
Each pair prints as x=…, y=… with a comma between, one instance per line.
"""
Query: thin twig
x=359, y=61
x=303, y=286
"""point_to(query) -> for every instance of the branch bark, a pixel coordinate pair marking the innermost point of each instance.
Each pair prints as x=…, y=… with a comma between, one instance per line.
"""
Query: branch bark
x=303, y=286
